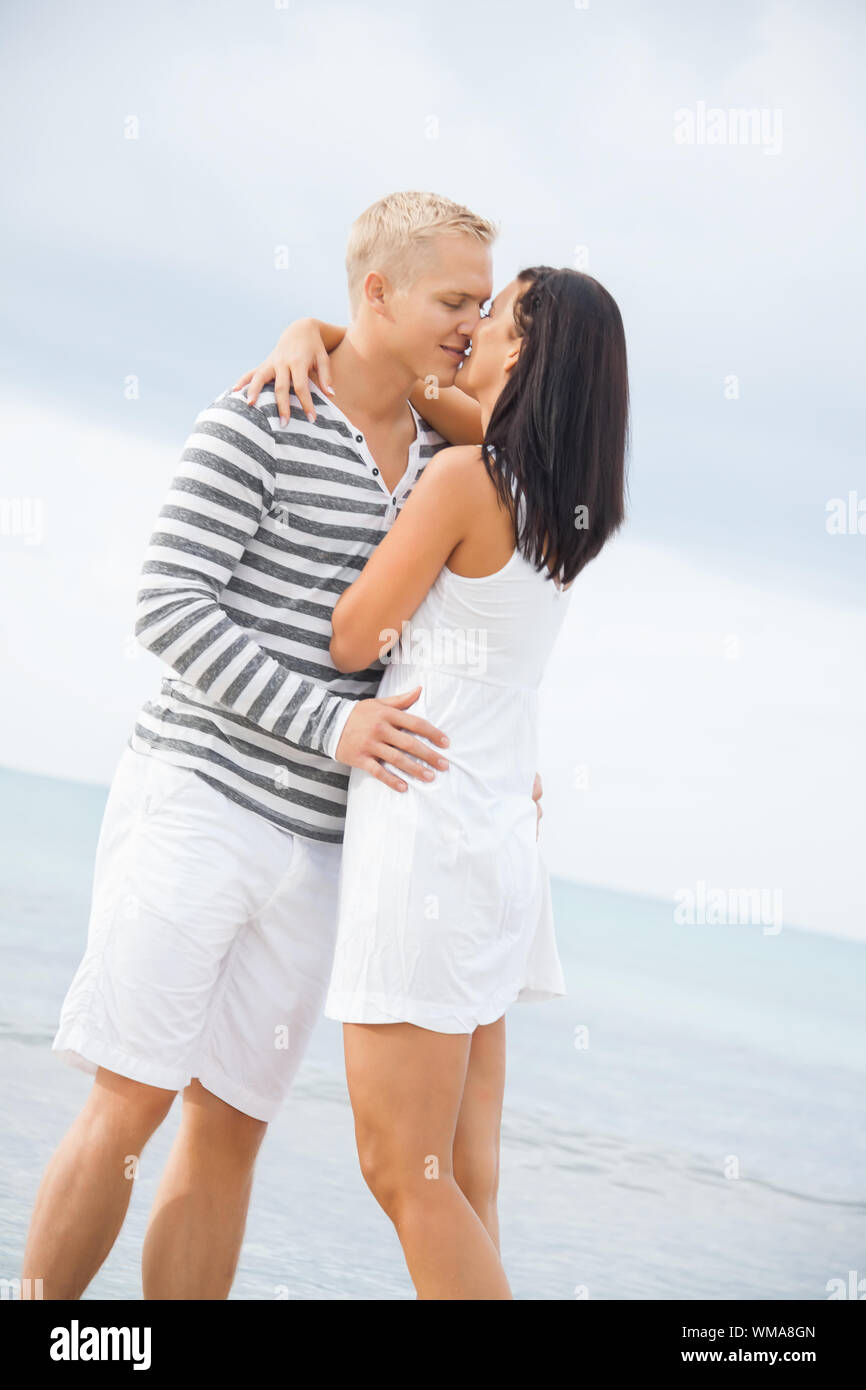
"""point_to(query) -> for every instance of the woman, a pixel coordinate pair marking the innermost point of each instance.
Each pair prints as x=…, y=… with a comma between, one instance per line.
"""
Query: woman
x=445, y=916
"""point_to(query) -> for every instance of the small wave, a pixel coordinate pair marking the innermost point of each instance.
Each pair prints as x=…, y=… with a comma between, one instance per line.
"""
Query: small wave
x=31, y=1037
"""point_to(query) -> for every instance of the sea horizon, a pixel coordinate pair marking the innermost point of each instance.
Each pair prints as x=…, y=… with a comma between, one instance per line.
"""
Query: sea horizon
x=858, y=932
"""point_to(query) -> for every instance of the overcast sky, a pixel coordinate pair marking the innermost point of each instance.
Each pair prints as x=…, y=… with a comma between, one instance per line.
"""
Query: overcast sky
x=737, y=267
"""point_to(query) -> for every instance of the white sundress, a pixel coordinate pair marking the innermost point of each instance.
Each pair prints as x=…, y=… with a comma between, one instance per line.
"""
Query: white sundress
x=445, y=915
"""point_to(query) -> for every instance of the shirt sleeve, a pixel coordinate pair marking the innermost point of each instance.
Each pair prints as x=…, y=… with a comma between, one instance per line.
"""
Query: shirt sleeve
x=223, y=487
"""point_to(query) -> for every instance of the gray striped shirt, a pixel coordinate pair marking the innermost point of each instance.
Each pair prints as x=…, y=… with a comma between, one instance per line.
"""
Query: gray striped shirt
x=263, y=528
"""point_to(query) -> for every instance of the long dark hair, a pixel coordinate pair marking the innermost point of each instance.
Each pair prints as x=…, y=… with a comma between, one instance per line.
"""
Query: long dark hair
x=559, y=428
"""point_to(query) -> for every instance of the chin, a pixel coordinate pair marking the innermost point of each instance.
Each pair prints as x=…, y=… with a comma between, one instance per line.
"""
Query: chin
x=443, y=375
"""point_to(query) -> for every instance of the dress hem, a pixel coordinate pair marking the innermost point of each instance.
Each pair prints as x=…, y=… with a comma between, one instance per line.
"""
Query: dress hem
x=361, y=1008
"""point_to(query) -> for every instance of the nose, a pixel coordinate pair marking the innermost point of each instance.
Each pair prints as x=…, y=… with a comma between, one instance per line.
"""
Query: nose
x=468, y=326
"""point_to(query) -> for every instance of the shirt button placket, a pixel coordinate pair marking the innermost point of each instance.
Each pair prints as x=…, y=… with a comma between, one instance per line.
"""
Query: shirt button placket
x=359, y=439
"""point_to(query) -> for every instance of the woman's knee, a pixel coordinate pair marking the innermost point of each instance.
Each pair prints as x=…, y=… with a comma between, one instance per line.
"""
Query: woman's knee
x=377, y=1167
x=391, y=1173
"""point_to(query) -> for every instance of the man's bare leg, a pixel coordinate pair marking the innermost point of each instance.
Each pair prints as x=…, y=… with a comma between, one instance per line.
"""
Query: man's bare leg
x=85, y=1190
x=199, y=1214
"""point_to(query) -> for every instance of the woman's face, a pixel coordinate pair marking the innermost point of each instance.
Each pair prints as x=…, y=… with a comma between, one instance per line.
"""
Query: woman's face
x=495, y=347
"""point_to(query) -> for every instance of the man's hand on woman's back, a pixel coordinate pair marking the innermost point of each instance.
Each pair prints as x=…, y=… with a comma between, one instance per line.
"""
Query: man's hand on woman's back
x=380, y=730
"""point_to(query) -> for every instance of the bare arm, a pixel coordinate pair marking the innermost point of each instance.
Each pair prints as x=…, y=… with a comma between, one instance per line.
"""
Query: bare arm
x=369, y=615
x=300, y=352
x=454, y=414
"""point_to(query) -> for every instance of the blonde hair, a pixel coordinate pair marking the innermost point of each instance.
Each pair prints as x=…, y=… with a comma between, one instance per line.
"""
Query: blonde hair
x=388, y=233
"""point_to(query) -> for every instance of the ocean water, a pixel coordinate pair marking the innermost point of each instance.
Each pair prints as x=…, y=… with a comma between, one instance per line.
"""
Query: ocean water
x=687, y=1123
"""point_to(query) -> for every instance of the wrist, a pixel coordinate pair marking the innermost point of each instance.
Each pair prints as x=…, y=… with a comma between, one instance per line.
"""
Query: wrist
x=331, y=334
x=335, y=733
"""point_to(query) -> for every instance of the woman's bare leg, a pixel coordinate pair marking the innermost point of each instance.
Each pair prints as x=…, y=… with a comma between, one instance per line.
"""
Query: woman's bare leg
x=406, y=1086
x=476, y=1142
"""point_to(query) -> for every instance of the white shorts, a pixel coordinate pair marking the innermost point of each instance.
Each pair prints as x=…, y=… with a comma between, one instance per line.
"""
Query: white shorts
x=210, y=941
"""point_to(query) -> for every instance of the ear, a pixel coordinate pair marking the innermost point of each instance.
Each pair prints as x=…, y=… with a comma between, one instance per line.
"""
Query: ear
x=375, y=290
x=511, y=356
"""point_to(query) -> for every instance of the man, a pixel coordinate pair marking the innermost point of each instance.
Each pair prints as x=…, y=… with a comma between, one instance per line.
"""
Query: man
x=215, y=886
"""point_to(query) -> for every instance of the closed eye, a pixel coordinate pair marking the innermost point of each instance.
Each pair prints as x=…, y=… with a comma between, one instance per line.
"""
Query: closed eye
x=484, y=313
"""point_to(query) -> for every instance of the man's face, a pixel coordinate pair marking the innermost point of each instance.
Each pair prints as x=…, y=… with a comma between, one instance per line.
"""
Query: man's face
x=430, y=323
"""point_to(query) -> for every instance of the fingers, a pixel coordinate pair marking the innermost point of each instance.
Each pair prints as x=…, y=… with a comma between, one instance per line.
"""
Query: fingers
x=323, y=371
x=302, y=391
x=413, y=722
x=420, y=727
x=382, y=774
x=406, y=750
x=410, y=761
x=242, y=381
x=401, y=700
x=260, y=377
x=397, y=739
x=282, y=391
x=386, y=737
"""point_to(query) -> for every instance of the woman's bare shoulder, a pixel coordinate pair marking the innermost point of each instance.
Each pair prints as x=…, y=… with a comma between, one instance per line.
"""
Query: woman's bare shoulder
x=456, y=457
x=461, y=467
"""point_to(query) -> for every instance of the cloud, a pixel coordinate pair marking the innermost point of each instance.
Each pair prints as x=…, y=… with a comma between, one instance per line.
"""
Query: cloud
x=703, y=729
x=155, y=256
